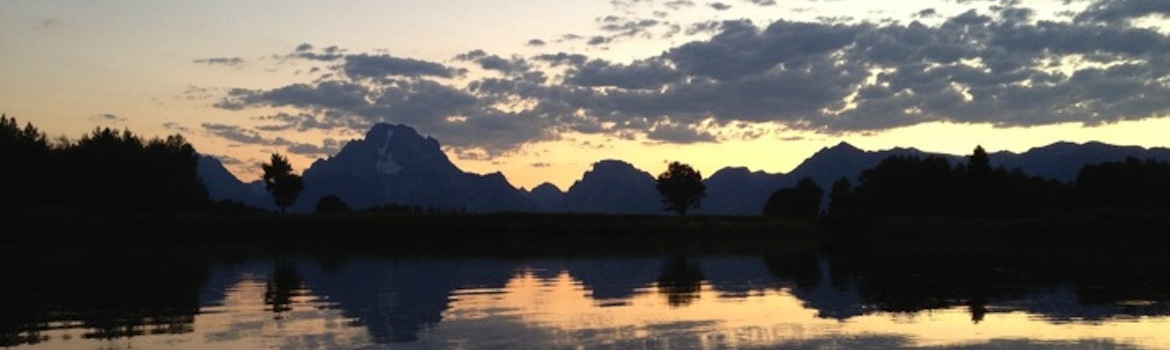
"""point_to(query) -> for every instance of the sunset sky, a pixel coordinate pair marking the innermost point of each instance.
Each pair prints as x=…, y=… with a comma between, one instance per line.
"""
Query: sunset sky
x=540, y=90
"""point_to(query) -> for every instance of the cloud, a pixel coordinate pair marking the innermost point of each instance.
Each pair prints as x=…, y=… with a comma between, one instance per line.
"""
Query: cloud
x=193, y=92
x=571, y=37
x=706, y=27
x=678, y=4
x=328, y=120
x=234, y=133
x=926, y=13
x=107, y=118
x=535, y=42
x=307, y=51
x=176, y=127
x=111, y=117
x=228, y=160
x=515, y=65
x=364, y=66
x=425, y=105
x=741, y=49
x=1007, y=66
x=682, y=134
x=621, y=27
x=763, y=2
x=330, y=94
x=637, y=75
x=225, y=61
x=971, y=69
x=598, y=40
x=1113, y=11
x=328, y=147
x=719, y=6
x=562, y=58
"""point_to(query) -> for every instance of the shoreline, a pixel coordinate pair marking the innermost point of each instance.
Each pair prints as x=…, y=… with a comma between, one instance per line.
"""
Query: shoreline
x=560, y=233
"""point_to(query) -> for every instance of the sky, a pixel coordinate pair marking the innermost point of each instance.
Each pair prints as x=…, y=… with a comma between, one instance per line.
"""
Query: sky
x=540, y=90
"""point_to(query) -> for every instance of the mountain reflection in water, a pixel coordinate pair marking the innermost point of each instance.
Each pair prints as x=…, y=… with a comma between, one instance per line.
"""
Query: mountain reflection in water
x=59, y=300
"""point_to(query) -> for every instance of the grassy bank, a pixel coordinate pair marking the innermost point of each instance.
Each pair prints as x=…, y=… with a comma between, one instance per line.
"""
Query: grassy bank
x=520, y=233
x=1081, y=233
x=543, y=233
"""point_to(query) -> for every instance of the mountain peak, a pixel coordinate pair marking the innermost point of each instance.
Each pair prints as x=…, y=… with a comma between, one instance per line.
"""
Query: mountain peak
x=844, y=147
x=614, y=165
x=394, y=164
x=613, y=186
x=546, y=186
x=731, y=171
x=381, y=131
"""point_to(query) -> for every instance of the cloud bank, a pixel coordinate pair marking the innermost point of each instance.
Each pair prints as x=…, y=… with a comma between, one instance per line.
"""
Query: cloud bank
x=1000, y=64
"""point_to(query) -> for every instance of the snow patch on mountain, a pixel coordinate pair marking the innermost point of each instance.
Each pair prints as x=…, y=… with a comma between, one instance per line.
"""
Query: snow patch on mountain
x=386, y=163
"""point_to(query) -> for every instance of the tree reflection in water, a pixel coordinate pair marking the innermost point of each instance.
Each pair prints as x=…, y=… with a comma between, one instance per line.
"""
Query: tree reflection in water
x=282, y=286
x=110, y=294
x=395, y=300
x=680, y=280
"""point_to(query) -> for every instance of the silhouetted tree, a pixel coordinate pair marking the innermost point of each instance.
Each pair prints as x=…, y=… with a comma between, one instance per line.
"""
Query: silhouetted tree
x=979, y=165
x=978, y=177
x=280, y=180
x=25, y=155
x=804, y=200
x=332, y=204
x=681, y=187
x=841, y=198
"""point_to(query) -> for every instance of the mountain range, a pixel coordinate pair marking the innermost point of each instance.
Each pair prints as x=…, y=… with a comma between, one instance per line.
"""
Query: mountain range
x=393, y=164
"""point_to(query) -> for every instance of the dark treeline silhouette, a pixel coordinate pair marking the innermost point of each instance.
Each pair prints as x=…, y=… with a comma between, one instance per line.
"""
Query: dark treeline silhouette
x=104, y=171
x=932, y=186
x=804, y=200
x=1131, y=183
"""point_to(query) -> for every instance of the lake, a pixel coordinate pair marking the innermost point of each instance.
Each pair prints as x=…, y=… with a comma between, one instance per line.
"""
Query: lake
x=142, y=298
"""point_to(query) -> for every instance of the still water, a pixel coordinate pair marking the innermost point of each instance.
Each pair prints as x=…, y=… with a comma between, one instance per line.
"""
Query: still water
x=175, y=300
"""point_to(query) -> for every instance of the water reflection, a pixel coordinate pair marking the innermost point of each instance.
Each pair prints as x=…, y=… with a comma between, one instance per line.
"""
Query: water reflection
x=680, y=280
x=282, y=286
x=107, y=298
x=832, y=299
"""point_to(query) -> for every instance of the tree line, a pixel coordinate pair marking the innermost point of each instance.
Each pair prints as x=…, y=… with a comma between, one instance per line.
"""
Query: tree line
x=932, y=186
x=104, y=171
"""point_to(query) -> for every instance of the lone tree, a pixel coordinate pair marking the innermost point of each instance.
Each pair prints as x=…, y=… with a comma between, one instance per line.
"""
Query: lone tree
x=281, y=182
x=681, y=187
